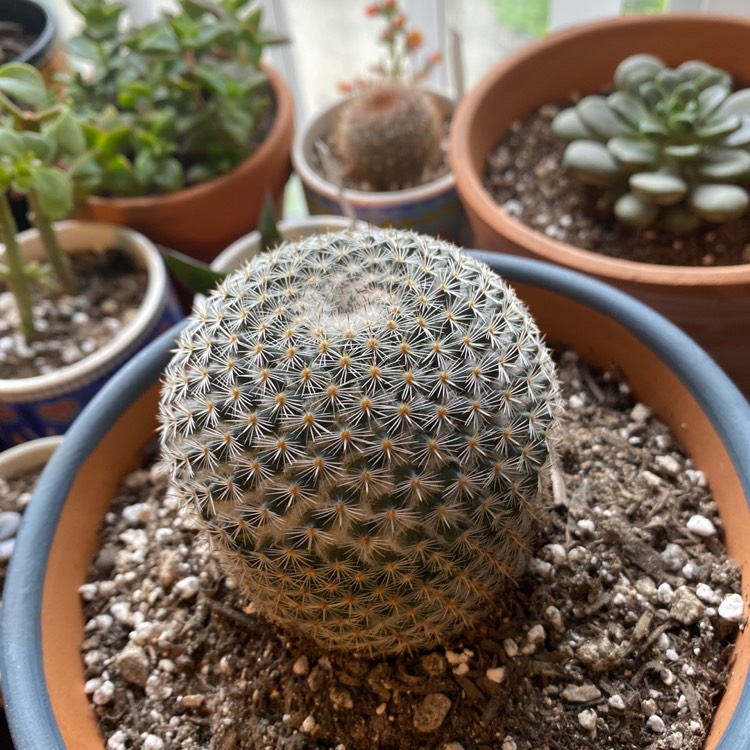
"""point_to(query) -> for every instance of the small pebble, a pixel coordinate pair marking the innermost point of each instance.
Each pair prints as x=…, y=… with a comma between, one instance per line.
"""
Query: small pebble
x=536, y=635
x=341, y=697
x=656, y=724
x=152, y=742
x=616, y=701
x=302, y=666
x=731, y=608
x=701, y=526
x=461, y=669
x=6, y=549
x=674, y=557
x=686, y=608
x=510, y=647
x=433, y=664
x=587, y=719
x=308, y=725
x=495, y=674
x=665, y=593
x=431, y=712
x=188, y=587
x=9, y=523
x=509, y=744
x=600, y=654
x=640, y=413
x=134, y=665
x=668, y=465
x=581, y=693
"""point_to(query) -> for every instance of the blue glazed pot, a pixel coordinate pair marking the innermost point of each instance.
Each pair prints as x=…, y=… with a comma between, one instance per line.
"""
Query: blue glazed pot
x=433, y=208
x=47, y=404
x=42, y=623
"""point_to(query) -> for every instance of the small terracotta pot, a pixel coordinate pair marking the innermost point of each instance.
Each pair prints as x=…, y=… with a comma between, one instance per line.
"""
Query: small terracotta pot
x=43, y=622
x=47, y=404
x=433, y=208
x=710, y=304
x=203, y=219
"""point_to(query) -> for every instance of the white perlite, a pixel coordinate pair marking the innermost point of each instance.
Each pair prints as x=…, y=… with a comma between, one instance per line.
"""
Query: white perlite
x=731, y=608
x=656, y=724
x=587, y=719
x=701, y=526
x=496, y=674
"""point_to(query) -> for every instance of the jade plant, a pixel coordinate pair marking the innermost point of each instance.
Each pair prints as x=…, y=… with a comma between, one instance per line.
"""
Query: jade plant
x=175, y=102
x=43, y=157
x=671, y=146
x=390, y=131
x=361, y=422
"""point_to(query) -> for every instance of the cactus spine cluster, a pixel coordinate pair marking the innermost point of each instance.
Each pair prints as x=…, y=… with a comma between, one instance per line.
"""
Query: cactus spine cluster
x=670, y=144
x=361, y=421
x=388, y=134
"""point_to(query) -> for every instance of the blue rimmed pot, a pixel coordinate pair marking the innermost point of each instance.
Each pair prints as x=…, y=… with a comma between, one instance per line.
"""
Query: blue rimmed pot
x=42, y=626
x=47, y=404
x=433, y=208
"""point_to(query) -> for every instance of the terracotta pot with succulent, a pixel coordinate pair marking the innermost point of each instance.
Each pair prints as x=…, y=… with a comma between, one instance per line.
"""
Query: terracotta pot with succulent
x=190, y=129
x=371, y=469
x=79, y=297
x=384, y=145
x=650, y=192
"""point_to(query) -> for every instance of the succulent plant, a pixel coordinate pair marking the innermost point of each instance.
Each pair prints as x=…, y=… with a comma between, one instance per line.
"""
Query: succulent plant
x=361, y=422
x=388, y=135
x=669, y=144
x=175, y=102
x=43, y=157
x=389, y=132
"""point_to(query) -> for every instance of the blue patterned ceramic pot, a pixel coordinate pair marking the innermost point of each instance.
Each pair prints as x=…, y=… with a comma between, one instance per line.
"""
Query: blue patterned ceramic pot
x=47, y=404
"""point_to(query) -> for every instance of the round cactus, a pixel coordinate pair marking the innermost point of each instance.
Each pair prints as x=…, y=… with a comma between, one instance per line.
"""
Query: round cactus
x=361, y=420
x=388, y=134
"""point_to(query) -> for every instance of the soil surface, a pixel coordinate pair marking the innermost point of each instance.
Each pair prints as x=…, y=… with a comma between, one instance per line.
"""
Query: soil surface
x=618, y=637
x=70, y=327
x=526, y=177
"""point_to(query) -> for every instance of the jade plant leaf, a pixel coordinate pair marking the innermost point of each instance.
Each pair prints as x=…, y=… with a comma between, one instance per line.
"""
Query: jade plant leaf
x=633, y=154
x=634, y=212
x=569, y=126
x=718, y=203
x=725, y=165
x=24, y=84
x=596, y=115
x=54, y=192
x=635, y=70
x=658, y=187
x=591, y=162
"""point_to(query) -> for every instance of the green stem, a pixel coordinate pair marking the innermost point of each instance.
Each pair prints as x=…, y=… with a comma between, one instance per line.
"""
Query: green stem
x=59, y=260
x=18, y=282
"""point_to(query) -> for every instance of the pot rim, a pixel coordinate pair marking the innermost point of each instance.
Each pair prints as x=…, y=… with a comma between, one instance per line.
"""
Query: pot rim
x=471, y=189
x=30, y=711
x=102, y=234
x=42, y=48
x=28, y=455
x=281, y=122
x=301, y=147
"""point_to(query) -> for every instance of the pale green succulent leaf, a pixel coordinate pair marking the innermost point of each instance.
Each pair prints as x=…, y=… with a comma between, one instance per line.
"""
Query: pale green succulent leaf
x=737, y=103
x=591, y=162
x=69, y=133
x=628, y=106
x=11, y=144
x=634, y=212
x=710, y=99
x=718, y=127
x=667, y=80
x=596, y=115
x=633, y=154
x=39, y=147
x=568, y=126
x=694, y=70
x=719, y=203
x=636, y=69
x=54, y=192
x=24, y=83
x=725, y=165
x=660, y=188
x=740, y=137
x=684, y=152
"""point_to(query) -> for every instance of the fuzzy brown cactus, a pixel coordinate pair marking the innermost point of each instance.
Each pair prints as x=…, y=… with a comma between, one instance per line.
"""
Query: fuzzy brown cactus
x=388, y=134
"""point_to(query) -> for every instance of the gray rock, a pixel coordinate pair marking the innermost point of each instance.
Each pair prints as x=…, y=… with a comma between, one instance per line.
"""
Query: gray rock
x=600, y=654
x=431, y=712
x=686, y=607
x=134, y=665
x=581, y=693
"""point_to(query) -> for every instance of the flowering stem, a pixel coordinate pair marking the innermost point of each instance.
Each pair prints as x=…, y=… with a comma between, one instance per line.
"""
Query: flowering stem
x=59, y=260
x=18, y=282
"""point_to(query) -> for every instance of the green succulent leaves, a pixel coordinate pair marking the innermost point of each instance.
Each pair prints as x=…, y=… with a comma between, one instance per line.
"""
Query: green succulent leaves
x=671, y=145
x=172, y=103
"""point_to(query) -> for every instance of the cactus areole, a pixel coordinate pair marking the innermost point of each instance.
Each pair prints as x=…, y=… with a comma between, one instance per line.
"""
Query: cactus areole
x=361, y=421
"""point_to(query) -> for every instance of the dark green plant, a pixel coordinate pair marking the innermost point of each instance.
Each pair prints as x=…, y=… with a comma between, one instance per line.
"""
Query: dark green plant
x=175, y=102
x=42, y=157
x=670, y=145
x=361, y=422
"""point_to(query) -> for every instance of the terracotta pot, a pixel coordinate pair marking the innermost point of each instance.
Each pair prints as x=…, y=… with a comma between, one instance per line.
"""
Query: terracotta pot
x=433, y=208
x=43, y=624
x=711, y=304
x=248, y=247
x=47, y=404
x=203, y=219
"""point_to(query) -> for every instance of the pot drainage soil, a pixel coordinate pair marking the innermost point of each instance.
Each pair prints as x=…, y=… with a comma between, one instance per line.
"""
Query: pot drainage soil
x=525, y=176
x=71, y=327
x=619, y=635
